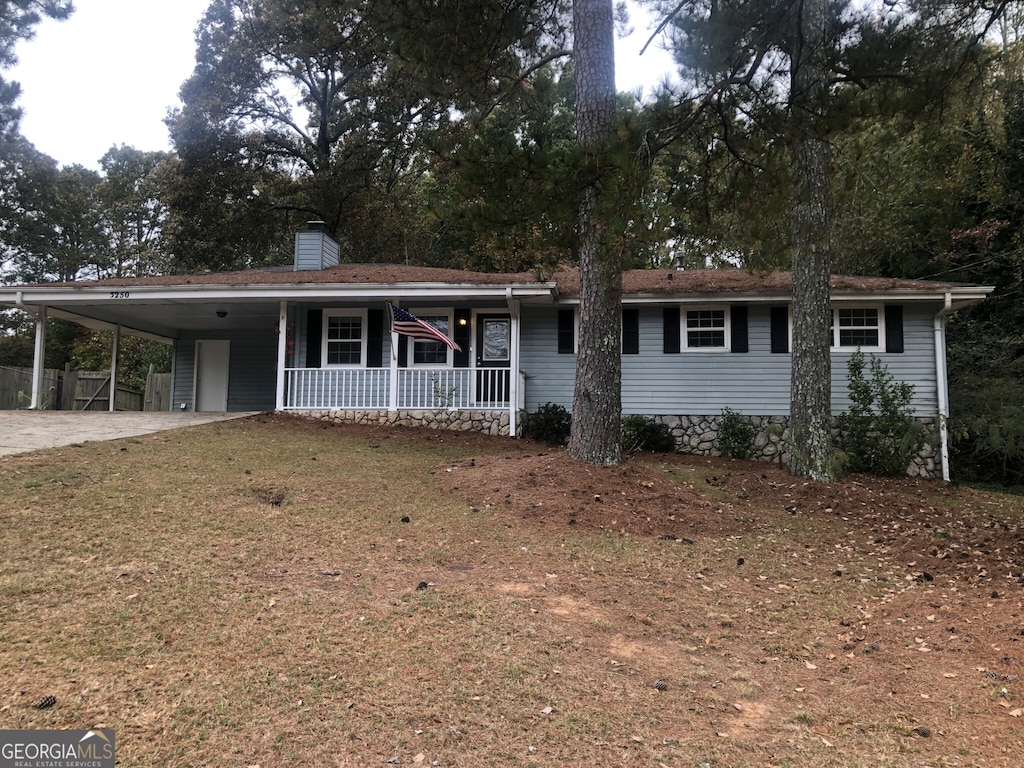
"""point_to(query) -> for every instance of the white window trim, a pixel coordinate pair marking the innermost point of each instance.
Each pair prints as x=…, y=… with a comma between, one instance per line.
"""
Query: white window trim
x=879, y=310
x=422, y=313
x=684, y=338
x=329, y=313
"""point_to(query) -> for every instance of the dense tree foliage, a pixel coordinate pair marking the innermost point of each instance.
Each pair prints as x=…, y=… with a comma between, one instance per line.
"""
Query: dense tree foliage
x=299, y=111
x=787, y=80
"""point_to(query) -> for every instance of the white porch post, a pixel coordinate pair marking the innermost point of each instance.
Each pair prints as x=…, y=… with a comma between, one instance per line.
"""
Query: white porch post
x=513, y=367
x=38, y=359
x=282, y=353
x=393, y=383
x=115, y=350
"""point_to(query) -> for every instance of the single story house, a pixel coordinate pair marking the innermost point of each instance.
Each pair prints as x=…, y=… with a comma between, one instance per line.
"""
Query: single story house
x=314, y=337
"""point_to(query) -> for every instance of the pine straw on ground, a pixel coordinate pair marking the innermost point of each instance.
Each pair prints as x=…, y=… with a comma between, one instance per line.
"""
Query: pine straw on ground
x=274, y=592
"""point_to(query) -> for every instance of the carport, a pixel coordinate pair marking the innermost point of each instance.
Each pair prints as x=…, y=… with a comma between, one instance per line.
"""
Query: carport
x=160, y=309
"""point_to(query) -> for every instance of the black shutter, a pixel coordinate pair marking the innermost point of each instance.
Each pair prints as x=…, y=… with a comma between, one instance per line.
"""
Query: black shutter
x=780, y=329
x=461, y=337
x=375, y=338
x=670, y=330
x=566, y=332
x=631, y=331
x=314, y=337
x=893, y=327
x=738, y=318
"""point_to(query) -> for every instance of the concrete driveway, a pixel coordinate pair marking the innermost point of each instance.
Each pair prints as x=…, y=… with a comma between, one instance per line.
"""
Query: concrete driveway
x=24, y=431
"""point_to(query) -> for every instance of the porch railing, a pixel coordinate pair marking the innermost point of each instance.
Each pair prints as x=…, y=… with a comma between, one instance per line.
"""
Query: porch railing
x=418, y=389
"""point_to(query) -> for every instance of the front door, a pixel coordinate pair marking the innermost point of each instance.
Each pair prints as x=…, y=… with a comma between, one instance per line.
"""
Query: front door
x=493, y=357
x=211, y=382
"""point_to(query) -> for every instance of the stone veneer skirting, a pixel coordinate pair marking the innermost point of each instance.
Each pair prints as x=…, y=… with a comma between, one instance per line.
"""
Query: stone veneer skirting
x=699, y=435
x=693, y=434
x=488, y=422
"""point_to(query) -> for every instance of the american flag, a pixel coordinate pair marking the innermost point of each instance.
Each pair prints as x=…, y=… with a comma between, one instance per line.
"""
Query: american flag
x=408, y=324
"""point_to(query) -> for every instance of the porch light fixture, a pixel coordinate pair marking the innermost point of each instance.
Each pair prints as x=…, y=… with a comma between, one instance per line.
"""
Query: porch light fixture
x=462, y=321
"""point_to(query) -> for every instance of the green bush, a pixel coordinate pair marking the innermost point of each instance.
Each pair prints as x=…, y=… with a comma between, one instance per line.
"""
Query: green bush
x=879, y=433
x=640, y=433
x=990, y=447
x=735, y=435
x=550, y=424
x=987, y=429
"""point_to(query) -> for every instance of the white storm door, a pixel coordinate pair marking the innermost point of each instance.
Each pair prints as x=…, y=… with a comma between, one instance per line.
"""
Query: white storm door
x=211, y=384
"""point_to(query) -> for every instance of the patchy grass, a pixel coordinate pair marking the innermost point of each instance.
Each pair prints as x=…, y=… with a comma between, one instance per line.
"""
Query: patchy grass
x=269, y=592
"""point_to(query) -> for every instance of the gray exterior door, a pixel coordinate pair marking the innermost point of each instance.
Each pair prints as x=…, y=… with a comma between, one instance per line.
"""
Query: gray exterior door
x=211, y=382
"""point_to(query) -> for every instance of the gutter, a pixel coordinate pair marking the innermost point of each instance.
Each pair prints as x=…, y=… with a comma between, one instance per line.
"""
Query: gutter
x=19, y=300
x=942, y=386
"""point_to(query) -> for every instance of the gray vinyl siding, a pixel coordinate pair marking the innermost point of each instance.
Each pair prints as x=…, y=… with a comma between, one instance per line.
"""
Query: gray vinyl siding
x=315, y=250
x=915, y=365
x=549, y=375
x=252, y=378
x=754, y=383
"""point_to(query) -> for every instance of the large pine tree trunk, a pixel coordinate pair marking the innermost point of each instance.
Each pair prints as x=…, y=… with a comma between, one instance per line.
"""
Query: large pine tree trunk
x=597, y=405
x=812, y=453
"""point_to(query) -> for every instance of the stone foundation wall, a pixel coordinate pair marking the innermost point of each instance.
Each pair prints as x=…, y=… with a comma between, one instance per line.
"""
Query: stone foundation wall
x=489, y=422
x=699, y=435
x=693, y=434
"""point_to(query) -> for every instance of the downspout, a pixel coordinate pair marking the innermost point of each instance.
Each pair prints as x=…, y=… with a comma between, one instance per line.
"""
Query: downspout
x=513, y=366
x=942, y=386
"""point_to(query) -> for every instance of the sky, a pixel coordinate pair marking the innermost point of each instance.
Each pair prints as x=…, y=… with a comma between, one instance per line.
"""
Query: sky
x=107, y=76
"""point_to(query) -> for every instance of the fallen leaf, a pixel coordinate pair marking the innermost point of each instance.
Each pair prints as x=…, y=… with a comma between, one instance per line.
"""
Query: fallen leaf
x=1016, y=712
x=809, y=665
x=547, y=710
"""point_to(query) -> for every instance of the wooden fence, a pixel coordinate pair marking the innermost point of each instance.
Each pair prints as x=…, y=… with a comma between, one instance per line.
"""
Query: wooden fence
x=82, y=391
x=16, y=388
x=92, y=393
x=158, y=391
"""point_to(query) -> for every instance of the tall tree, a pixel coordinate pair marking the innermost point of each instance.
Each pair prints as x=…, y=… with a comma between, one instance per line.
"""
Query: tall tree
x=58, y=234
x=133, y=214
x=811, y=454
x=597, y=406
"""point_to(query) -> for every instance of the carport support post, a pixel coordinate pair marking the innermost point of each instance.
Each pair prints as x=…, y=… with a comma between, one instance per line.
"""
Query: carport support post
x=115, y=350
x=38, y=360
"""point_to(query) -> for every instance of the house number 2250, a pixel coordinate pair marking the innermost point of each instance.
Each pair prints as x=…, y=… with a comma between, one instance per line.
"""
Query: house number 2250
x=119, y=294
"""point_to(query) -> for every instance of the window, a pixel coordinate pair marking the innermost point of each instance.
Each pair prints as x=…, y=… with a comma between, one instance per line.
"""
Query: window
x=496, y=345
x=705, y=329
x=432, y=352
x=856, y=327
x=344, y=338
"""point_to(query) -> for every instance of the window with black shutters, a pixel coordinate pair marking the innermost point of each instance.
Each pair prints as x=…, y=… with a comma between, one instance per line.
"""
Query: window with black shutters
x=344, y=338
